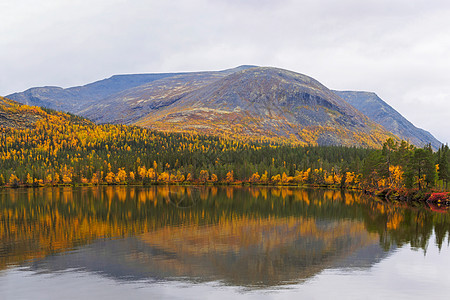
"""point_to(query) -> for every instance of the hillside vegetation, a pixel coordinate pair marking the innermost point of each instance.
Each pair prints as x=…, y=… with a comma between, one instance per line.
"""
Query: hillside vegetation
x=55, y=148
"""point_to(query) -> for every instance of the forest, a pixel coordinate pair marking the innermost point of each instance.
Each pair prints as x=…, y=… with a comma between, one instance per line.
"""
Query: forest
x=63, y=149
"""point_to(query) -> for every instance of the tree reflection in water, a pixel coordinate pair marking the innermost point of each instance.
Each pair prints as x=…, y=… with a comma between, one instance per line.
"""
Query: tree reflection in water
x=246, y=236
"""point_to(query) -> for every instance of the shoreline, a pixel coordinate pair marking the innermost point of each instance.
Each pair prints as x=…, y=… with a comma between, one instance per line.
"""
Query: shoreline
x=401, y=195
x=411, y=195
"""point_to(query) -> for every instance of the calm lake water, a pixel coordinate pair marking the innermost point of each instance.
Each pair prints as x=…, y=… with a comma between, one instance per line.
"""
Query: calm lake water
x=218, y=243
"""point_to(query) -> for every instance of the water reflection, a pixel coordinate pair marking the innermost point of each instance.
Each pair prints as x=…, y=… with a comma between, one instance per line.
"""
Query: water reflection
x=239, y=236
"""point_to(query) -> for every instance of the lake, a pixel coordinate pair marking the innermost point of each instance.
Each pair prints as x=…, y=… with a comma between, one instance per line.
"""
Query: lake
x=172, y=242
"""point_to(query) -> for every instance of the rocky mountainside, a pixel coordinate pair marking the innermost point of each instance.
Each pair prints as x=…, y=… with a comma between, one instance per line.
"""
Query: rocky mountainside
x=130, y=105
x=76, y=99
x=382, y=113
x=266, y=103
x=245, y=102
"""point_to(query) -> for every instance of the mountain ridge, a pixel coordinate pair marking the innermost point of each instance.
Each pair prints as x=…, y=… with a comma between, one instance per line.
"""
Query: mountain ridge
x=268, y=102
x=159, y=92
x=271, y=103
x=78, y=98
x=370, y=104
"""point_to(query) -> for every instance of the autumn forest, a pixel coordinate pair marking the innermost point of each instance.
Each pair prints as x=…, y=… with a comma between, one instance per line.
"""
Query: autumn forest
x=63, y=149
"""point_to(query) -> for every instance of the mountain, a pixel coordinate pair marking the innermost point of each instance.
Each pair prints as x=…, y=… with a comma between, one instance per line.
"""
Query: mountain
x=130, y=105
x=256, y=103
x=382, y=113
x=262, y=102
x=75, y=99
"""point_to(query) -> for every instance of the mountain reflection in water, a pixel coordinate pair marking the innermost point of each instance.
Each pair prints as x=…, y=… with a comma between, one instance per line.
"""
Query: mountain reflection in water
x=239, y=236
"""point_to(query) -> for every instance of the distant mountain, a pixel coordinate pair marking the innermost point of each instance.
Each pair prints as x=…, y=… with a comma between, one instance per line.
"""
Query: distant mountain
x=382, y=113
x=260, y=102
x=75, y=99
x=245, y=102
x=130, y=105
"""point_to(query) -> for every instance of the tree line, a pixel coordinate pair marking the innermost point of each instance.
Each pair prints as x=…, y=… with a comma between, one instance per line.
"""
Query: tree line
x=63, y=149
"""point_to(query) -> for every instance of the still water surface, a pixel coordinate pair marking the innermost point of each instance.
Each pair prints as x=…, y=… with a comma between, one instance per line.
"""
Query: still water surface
x=217, y=243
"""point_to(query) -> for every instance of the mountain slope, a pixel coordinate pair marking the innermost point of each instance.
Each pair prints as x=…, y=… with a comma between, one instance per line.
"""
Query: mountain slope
x=244, y=102
x=15, y=115
x=132, y=104
x=267, y=103
x=380, y=112
x=76, y=99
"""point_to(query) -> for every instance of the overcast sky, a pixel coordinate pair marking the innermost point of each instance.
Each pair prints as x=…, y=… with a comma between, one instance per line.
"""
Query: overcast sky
x=399, y=49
